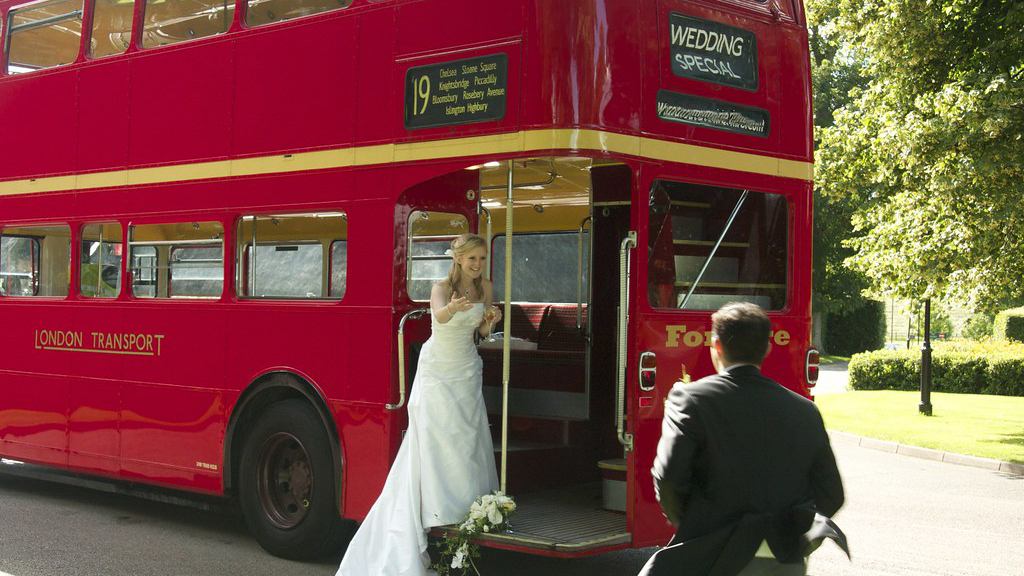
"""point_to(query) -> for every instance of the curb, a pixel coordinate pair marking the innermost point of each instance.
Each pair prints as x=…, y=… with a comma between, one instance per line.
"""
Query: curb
x=927, y=453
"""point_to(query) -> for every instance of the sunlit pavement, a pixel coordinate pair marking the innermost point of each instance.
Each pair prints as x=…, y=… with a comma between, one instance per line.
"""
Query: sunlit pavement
x=832, y=379
x=904, y=517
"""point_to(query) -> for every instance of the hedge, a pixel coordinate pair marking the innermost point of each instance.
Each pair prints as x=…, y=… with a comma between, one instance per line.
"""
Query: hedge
x=968, y=367
x=860, y=329
x=1009, y=325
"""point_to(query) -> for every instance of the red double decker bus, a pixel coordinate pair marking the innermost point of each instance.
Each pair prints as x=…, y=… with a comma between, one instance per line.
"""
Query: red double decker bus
x=184, y=305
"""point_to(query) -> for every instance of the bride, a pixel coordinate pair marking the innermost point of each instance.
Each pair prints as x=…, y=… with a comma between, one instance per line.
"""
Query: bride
x=446, y=460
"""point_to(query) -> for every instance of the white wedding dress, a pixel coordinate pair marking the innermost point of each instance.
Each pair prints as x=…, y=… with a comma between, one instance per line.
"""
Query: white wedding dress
x=445, y=462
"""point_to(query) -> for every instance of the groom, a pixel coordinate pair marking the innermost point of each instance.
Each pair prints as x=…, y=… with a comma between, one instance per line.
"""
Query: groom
x=744, y=468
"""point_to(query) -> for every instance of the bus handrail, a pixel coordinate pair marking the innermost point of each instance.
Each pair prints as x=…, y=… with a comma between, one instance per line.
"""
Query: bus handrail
x=73, y=15
x=487, y=237
x=401, y=355
x=628, y=243
x=580, y=280
x=714, y=250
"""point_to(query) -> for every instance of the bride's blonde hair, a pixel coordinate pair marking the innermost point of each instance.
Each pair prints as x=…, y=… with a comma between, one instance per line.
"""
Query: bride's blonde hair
x=460, y=247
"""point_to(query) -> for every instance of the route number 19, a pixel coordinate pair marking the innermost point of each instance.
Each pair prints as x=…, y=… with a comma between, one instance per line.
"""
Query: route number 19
x=421, y=93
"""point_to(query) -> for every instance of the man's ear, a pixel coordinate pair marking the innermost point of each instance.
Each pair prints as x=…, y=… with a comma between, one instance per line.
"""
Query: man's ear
x=717, y=358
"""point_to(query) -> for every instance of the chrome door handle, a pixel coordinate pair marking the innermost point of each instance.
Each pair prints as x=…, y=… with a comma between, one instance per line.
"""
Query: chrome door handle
x=401, y=355
x=626, y=439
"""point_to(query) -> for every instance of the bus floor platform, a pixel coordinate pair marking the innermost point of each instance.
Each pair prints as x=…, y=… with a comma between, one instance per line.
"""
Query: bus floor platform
x=566, y=521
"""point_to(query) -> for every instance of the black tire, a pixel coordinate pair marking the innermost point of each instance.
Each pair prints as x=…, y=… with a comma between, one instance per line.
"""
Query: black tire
x=288, y=484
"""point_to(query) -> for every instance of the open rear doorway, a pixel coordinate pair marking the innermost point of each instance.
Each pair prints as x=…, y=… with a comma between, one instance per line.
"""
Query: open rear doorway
x=565, y=465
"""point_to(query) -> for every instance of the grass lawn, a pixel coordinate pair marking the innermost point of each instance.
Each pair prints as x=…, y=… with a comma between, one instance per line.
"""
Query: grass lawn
x=978, y=425
x=829, y=359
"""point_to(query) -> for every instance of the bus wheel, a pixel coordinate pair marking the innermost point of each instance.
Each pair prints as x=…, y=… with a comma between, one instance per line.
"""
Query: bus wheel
x=288, y=483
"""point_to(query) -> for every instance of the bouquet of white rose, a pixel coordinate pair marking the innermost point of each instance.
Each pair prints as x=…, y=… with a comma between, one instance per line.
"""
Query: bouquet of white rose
x=490, y=513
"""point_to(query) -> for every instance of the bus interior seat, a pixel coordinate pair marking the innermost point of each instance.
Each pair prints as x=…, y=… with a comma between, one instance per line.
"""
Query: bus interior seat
x=557, y=330
x=555, y=449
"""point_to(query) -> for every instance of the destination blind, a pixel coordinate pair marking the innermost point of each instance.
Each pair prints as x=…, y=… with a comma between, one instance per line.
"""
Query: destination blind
x=716, y=114
x=456, y=92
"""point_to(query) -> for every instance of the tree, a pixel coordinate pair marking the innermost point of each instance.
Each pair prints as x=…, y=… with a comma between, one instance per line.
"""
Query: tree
x=837, y=288
x=929, y=151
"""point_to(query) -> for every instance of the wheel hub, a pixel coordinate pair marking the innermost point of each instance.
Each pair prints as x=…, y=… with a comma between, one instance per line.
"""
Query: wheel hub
x=285, y=483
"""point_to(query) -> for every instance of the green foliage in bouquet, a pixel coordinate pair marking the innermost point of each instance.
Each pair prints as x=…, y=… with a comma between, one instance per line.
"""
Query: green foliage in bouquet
x=489, y=514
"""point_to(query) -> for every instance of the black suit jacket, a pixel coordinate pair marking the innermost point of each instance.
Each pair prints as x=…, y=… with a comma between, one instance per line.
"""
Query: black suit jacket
x=743, y=459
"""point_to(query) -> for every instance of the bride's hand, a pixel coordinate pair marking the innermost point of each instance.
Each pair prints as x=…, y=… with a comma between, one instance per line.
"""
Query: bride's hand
x=460, y=304
x=493, y=315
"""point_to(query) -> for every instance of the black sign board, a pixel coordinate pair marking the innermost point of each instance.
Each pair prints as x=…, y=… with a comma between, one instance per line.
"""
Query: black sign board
x=716, y=114
x=456, y=92
x=713, y=52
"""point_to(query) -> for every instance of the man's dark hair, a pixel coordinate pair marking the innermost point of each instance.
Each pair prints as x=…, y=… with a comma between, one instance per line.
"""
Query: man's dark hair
x=743, y=329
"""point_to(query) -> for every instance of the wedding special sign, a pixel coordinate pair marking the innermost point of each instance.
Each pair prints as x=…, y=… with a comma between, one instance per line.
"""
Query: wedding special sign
x=713, y=52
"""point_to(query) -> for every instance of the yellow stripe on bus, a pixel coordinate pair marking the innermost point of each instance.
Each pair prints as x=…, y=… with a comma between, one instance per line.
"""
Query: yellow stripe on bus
x=495, y=144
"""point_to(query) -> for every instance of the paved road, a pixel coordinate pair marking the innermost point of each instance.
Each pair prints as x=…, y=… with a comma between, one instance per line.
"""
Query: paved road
x=911, y=517
x=904, y=516
x=832, y=378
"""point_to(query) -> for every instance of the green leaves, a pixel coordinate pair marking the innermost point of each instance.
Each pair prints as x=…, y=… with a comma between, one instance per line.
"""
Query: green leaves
x=927, y=155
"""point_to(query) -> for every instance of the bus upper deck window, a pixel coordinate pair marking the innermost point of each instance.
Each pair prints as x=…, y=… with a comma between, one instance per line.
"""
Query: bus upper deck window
x=35, y=261
x=100, y=256
x=111, y=27
x=43, y=35
x=173, y=21
x=709, y=246
x=260, y=12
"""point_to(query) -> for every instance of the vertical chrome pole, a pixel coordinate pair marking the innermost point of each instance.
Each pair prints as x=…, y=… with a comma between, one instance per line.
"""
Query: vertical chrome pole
x=506, y=350
x=487, y=213
x=581, y=278
x=625, y=438
x=252, y=262
x=99, y=270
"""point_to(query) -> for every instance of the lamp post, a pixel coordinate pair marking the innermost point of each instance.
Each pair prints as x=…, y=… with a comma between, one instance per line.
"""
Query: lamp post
x=910, y=329
x=925, y=407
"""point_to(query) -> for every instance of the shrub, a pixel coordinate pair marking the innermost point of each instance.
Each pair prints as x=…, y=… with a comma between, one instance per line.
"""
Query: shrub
x=862, y=328
x=1009, y=325
x=885, y=370
x=959, y=372
x=967, y=367
x=1006, y=377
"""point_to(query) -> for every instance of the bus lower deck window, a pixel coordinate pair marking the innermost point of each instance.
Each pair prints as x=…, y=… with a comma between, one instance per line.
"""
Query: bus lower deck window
x=35, y=261
x=292, y=256
x=177, y=260
x=711, y=245
x=100, y=255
